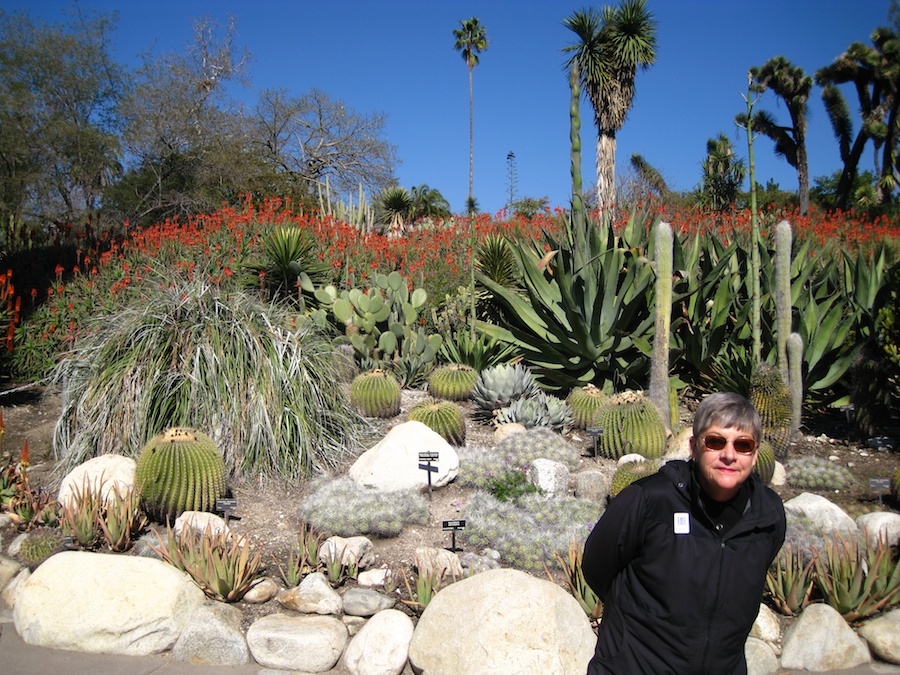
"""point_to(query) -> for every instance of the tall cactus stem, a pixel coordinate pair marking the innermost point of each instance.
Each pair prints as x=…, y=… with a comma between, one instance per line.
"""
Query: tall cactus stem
x=795, y=381
x=659, y=364
x=578, y=235
x=783, y=294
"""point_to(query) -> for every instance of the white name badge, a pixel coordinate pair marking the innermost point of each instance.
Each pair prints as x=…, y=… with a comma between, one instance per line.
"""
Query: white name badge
x=682, y=523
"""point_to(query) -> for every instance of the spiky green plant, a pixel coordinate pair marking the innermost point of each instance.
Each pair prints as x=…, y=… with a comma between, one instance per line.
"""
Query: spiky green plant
x=771, y=396
x=585, y=403
x=629, y=472
x=291, y=270
x=442, y=417
x=480, y=352
x=179, y=470
x=499, y=386
x=453, y=381
x=631, y=424
x=376, y=393
x=40, y=544
x=519, y=450
x=790, y=580
x=192, y=354
x=540, y=410
x=815, y=473
x=765, y=462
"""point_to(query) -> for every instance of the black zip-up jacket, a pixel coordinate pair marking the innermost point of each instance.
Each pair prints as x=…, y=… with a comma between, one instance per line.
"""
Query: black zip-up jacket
x=679, y=597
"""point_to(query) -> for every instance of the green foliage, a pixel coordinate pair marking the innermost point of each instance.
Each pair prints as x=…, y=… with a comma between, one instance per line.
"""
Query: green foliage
x=80, y=518
x=40, y=544
x=179, y=470
x=573, y=578
x=771, y=397
x=815, y=473
x=530, y=531
x=790, y=581
x=540, y=410
x=442, y=417
x=343, y=508
x=765, y=461
x=499, y=386
x=121, y=518
x=631, y=424
x=585, y=403
x=303, y=557
x=629, y=472
x=453, y=381
x=376, y=393
x=480, y=353
x=195, y=355
x=521, y=449
x=510, y=484
x=895, y=485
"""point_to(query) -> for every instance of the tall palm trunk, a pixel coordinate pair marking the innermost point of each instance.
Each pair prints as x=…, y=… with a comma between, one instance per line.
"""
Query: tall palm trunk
x=606, y=172
x=471, y=138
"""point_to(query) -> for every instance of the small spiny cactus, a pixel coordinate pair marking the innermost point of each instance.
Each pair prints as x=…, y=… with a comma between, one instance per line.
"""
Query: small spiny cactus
x=40, y=544
x=631, y=423
x=771, y=396
x=453, y=381
x=585, y=403
x=376, y=393
x=765, y=462
x=629, y=472
x=179, y=470
x=815, y=473
x=442, y=417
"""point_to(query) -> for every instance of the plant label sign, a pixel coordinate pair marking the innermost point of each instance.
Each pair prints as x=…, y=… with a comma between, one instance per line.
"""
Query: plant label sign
x=225, y=507
x=880, y=484
x=453, y=526
x=428, y=458
x=596, y=433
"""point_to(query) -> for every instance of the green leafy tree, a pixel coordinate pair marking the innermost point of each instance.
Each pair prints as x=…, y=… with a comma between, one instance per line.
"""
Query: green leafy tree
x=428, y=202
x=793, y=86
x=611, y=45
x=471, y=40
x=723, y=174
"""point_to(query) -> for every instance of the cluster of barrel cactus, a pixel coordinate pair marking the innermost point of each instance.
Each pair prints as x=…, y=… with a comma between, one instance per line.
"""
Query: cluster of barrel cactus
x=442, y=417
x=631, y=424
x=179, y=470
x=376, y=393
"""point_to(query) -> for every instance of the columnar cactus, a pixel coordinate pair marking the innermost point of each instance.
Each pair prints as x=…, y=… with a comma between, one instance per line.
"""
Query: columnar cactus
x=442, y=417
x=585, y=403
x=659, y=364
x=179, y=470
x=453, y=381
x=772, y=398
x=631, y=424
x=376, y=393
x=765, y=462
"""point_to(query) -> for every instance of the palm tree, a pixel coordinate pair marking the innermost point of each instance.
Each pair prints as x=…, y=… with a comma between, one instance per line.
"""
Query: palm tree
x=471, y=39
x=793, y=86
x=611, y=46
x=428, y=202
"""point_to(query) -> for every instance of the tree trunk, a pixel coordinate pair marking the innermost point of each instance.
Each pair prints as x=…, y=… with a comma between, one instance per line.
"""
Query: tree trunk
x=471, y=138
x=802, y=175
x=606, y=172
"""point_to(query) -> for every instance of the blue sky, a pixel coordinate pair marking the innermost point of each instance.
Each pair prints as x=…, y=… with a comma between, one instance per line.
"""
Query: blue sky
x=397, y=57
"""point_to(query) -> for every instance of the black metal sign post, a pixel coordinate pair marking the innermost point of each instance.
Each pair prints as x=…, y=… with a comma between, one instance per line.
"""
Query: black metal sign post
x=225, y=507
x=880, y=484
x=453, y=526
x=596, y=433
x=428, y=458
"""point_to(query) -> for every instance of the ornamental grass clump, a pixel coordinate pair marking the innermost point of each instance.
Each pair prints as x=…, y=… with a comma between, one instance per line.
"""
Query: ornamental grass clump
x=531, y=531
x=191, y=354
x=815, y=473
x=339, y=506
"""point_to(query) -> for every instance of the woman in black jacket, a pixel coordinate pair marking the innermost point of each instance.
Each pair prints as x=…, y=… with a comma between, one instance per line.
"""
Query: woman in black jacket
x=680, y=557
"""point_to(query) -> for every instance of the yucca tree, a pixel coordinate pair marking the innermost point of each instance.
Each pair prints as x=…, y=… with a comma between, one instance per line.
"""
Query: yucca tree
x=723, y=173
x=611, y=46
x=393, y=207
x=793, y=85
x=471, y=40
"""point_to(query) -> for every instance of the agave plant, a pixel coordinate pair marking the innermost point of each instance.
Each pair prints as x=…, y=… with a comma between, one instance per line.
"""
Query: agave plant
x=291, y=270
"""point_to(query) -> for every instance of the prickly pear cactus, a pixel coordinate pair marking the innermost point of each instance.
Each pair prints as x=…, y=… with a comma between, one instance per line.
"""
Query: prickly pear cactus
x=765, y=462
x=179, y=470
x=376, y=393
x=631, y=423
x=442, y=417
x=40, y=544
x=629, y=472
x=453, y=381
x=499, y=386
x=585, y=403
x=771, y=396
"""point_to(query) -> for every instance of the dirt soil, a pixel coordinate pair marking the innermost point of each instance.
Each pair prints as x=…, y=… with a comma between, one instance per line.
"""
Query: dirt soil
x=268, y=513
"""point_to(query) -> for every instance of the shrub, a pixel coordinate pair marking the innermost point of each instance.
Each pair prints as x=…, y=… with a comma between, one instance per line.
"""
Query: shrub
x=192, y=355
x=815, y=473
x=342, y=507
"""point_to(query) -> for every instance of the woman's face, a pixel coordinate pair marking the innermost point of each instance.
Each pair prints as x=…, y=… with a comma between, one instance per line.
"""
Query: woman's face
x=721, y=472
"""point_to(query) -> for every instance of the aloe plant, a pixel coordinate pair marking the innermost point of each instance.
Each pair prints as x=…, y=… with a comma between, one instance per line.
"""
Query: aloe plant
x=573, y=578
x=790, y=581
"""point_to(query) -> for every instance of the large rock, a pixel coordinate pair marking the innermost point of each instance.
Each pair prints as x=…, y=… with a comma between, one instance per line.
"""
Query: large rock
x=101, y=475
x=823, y=514
x=502, y=621
x=314, y=595
x=308, y=643
x=820, y=639
x=365, y=602
x=359, y=551
x=761, y=659
x=550, y=476
x=381, y=646
x=393, y=463
x=880, y=525
x=213, y=636
x=883, y=636
x=115, y=604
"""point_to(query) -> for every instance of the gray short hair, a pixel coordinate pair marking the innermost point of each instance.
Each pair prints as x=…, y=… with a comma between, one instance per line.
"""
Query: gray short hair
x=726, y=409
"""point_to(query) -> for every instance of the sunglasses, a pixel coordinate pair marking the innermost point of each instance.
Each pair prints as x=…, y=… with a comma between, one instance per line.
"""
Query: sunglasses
x=742, y=446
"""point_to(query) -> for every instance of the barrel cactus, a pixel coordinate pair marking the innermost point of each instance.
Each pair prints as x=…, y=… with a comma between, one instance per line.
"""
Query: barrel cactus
x=629, y=472
x=376, y=393
x=631, y=424
x=179, y=470
x=499, y=386
x=765, y=462
x=585, y=402
x=40, y=544
x=442, y=417
x=771, y=396
x=453, y=381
